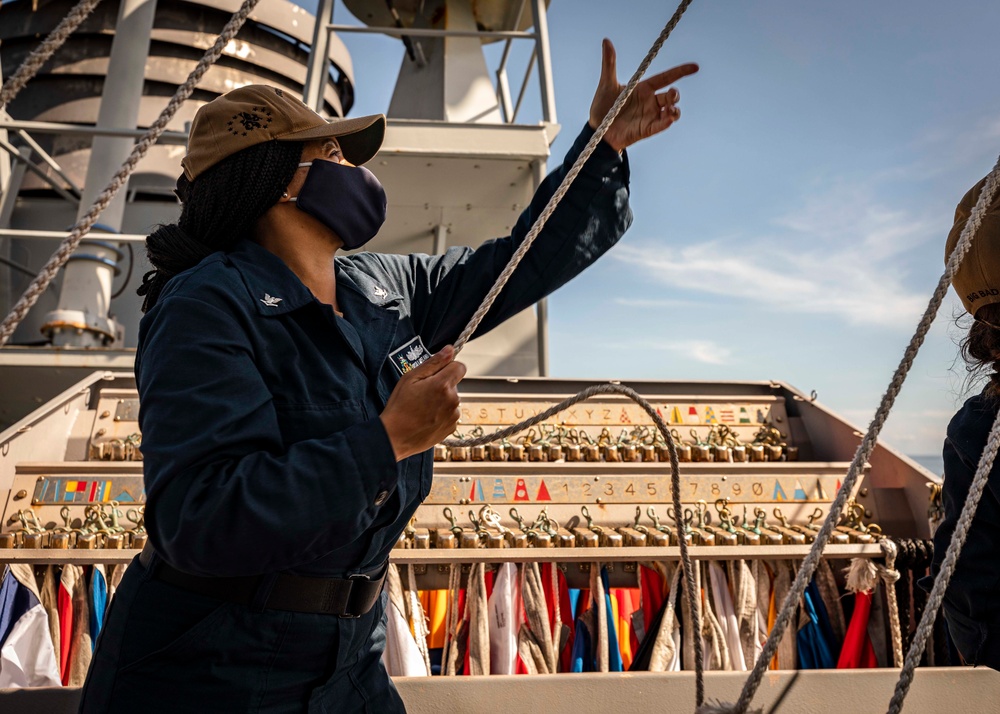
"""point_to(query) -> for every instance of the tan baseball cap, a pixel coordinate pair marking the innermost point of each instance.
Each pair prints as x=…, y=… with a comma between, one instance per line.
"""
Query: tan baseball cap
x=257, y=113
x=977, y=281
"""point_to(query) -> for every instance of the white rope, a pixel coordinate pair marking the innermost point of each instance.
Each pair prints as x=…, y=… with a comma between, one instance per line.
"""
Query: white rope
x=889, y=576
x=690, y=587
x=550, y=207
x=41, y=54
x=84, y=224
x=501, y=281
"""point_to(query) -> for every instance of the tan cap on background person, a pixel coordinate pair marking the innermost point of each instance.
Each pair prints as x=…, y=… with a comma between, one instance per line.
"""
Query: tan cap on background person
x=257, y=113
x=977, y=281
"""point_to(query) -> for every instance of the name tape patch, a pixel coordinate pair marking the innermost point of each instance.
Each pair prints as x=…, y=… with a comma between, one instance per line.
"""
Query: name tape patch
x=409, y=356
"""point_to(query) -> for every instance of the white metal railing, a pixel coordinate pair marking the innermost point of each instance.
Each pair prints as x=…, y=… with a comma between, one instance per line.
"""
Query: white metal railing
x=540, y=55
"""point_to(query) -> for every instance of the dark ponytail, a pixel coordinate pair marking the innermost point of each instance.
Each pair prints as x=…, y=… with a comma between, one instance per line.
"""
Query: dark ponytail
x=981, y=348
x=219, y=208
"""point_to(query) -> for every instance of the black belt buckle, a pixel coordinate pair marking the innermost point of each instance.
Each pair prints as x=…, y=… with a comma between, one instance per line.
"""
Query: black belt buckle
x=350, y=597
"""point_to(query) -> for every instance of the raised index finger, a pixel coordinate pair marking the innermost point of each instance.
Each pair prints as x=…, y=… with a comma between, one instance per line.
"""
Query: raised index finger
x=663, y=79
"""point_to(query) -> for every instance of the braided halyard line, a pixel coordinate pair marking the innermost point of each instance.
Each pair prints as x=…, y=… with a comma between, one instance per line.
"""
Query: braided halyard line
x=41, y=54
x=867, y=445
x=694, y=602
x=84, y=224
x=550, y=207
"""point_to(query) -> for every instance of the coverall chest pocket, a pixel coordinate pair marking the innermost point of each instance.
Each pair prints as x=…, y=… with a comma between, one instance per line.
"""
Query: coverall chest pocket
x=299, y=422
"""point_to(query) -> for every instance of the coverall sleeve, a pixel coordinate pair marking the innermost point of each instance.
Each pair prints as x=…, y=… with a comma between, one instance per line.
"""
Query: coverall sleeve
x=445, y=290
x=229, y=499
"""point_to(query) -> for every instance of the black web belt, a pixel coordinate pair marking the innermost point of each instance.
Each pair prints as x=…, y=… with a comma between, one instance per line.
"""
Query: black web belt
x=344, y=597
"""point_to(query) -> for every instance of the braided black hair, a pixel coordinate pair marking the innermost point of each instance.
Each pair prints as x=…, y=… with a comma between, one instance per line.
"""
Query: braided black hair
x=981, y=349
x=219, y=208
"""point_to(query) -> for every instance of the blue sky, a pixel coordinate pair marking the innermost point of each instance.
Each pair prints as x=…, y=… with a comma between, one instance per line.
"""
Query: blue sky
x=791, y=226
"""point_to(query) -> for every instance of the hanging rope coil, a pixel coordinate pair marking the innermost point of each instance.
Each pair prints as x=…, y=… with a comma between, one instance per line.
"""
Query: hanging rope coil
x=889, y=576
x=66, y=248
x=691, y=591
x=41, y=54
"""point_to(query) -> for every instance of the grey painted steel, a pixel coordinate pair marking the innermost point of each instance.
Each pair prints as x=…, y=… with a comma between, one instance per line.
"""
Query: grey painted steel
x=490, y=15
x=86, y=287
x=25, y=158
x=541, y=22
x=47, y=160
x=524, y=85
x=34, y=375
x=5, y=163
x=503, y=85
x=318, y=56
x=44, y=127
x=8, y=199
x=539, y=168
x=9, y=194
x=219, y=79
x=427, y=32
x=29, y=234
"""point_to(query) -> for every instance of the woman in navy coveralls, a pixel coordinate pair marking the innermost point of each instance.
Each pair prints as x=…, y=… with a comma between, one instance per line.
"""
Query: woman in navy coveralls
x=284, y=449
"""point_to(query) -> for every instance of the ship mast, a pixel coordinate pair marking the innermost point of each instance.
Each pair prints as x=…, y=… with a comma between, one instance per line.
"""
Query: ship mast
x=457, y=166
x=459, y=162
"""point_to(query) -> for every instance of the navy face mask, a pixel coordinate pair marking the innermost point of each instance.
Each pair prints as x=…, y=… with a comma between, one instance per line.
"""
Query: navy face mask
x=348, y=200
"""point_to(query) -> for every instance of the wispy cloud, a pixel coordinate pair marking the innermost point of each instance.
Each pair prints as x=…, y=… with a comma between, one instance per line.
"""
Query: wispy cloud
x=955, y=144
x=654, y=303
x=912, y=431
x=836, y=255
x=704, y=351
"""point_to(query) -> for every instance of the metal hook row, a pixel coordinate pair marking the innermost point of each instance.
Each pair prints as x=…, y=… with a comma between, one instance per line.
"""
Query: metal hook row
x=101, y=528
x=127, y=449
x=640, y=444
x=696, y=527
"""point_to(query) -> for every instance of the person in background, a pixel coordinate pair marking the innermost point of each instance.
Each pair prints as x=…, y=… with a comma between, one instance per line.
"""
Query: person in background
x=290, y=397
x=971, y=606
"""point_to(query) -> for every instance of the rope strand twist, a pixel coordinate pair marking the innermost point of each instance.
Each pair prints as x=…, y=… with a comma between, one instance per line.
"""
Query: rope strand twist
x=41, y=54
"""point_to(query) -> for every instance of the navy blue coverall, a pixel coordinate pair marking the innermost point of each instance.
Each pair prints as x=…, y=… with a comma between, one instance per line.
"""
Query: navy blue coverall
x=264, y=453
x=970, y=603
